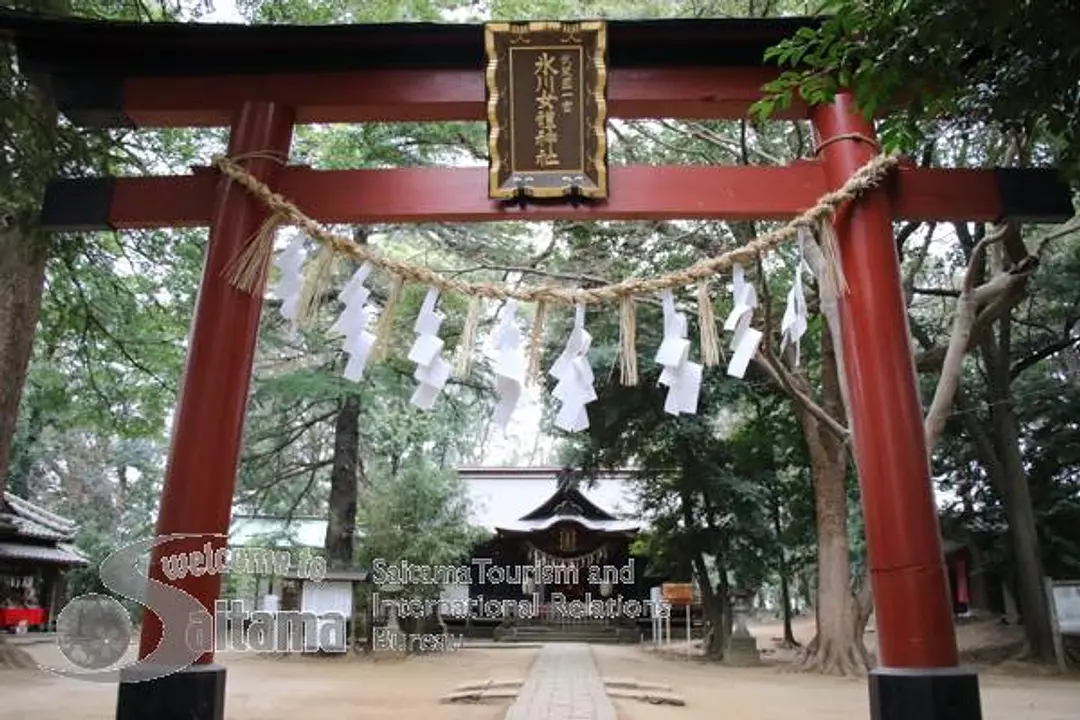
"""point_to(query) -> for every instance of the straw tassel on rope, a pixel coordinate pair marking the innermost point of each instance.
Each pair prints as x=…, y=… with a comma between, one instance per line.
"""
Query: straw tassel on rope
x=247, y=271
x=628, y=341
x=833, y=271
x=536, y=343
x=710, y=340
x=385, y=329
x=464, y=358
x=316, y=283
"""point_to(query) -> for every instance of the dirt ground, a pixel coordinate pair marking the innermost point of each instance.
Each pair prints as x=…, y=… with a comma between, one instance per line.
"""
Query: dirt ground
x=306, y=688
x=980, y=641
x=770, y=693
x=264, y=688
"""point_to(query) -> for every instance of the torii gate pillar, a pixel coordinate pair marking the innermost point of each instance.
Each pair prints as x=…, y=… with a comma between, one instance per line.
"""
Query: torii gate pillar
x=919, y=678
x=207, y=431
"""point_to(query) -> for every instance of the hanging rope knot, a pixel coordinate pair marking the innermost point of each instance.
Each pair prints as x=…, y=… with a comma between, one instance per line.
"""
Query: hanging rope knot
x=848, y=136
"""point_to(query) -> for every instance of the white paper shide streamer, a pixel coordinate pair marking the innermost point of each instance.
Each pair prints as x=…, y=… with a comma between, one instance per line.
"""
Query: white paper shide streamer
x=290, y=264
x=681, y=376
x=574, y=389
x=353, y=323
x=509, y=365
x=432, y=371
x=793, y=326
x=745, y=341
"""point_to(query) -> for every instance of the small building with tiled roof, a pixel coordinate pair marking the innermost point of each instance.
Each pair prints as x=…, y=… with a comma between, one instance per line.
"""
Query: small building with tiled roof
x=36, y=549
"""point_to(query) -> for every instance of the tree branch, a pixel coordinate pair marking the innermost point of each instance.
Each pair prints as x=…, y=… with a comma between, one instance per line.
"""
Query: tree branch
x=936, y=292
x=996, y=297
x=963, y=323
x=1047, y=350
x=739, y=149
x=917, y=266
x=904, y=233
x=787, y=381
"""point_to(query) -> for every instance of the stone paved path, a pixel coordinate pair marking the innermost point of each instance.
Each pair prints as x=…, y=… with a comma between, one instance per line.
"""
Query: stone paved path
x=563, y=684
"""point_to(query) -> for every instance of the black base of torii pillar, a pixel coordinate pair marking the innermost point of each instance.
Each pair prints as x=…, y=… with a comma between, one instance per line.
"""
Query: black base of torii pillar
x=194, y=693
x=924, y=694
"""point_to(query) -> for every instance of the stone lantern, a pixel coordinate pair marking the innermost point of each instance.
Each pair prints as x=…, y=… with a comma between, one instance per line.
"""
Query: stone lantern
x=741, y=646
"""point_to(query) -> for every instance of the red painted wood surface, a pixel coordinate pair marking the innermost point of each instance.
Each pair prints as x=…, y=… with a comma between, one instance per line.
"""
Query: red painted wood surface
x=416, y=95
x=637, y=193
x=205, y=450
x=11, y=617
x=904, y=551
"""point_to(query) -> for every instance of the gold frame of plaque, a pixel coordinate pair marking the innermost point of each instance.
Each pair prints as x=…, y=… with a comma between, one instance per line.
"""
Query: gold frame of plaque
x=547, y=109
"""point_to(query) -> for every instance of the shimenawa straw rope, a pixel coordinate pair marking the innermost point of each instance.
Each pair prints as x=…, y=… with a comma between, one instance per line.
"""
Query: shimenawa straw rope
x=865, y=178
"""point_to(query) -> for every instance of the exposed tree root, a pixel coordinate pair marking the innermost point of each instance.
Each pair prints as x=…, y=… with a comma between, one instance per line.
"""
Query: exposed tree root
x=14, y=657
x=850, y=659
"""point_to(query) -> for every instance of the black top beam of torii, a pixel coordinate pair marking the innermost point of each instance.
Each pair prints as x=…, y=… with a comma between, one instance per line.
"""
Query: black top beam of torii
x=86, y=63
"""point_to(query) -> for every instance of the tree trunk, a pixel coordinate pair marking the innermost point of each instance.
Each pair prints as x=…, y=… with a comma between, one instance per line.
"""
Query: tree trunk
x=713, y=602
x=1016, y=496
x=20, y=466
x=22, y=279
x=785, y=601
x=24, y=251
x=782, y=570
x=344, y=484
x=977, y=588
x=864, y=609
x=23, y=254
x=837, y=647
x=1024, y=537
x=723, y=599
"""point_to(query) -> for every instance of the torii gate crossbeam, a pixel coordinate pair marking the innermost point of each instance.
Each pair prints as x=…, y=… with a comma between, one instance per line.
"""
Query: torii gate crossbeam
x=260, y=81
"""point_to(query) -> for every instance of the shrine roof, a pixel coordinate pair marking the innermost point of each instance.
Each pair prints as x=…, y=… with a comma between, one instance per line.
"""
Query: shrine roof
x=61, y=554
x=51, y=46
x=31, y=534
x=32, y=522
x=521, y=500
x=602, y=526
x=567, y=501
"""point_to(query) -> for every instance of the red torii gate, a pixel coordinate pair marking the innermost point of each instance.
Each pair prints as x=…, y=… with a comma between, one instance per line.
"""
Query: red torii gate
x=261, y=81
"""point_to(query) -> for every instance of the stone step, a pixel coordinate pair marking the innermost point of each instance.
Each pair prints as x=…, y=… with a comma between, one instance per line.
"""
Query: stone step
x=583, y=633
x=567, y=631
x=653, y=697
x=563, y=637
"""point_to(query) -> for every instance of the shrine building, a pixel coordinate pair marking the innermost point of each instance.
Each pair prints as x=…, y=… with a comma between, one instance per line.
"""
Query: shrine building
x=554, y=545
x=36, y=552
x=559, y=549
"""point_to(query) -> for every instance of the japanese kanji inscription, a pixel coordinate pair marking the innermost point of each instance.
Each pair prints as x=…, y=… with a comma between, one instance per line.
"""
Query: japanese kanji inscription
x=547, y=114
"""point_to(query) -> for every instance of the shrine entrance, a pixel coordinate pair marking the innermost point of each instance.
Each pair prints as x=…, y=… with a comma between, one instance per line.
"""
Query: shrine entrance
x=578, y=555
x=261, y=81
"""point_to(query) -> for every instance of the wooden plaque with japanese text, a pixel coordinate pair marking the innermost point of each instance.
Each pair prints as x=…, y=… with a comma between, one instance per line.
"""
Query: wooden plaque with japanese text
x=547, y=109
